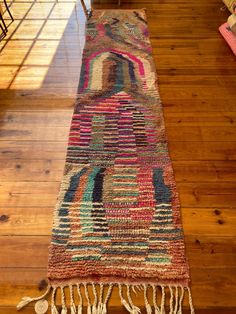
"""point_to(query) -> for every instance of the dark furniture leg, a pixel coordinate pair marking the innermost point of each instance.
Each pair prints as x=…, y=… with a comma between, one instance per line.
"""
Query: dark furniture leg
x=3, y=22
x=3, y=30
x=84, y=8
x=8, y=10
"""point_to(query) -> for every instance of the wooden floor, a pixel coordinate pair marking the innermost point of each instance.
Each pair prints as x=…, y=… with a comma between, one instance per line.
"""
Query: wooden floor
x=39, y=70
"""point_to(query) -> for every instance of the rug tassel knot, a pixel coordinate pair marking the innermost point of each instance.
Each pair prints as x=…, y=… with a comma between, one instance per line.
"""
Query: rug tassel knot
x=54, y=310
x=89, y=310
x=64, y=310
x=168, y=300
x=72, y=309
x=24, y=301
x=79, y=309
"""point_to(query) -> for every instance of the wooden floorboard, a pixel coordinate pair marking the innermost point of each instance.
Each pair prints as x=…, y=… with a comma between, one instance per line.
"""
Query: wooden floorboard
x=40, y=61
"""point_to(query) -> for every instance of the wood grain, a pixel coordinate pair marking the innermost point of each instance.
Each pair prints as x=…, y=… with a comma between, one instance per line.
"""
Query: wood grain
x=40, y=64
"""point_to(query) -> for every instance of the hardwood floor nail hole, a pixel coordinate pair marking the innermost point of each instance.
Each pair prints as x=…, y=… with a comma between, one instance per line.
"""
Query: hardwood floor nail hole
x=9, y=118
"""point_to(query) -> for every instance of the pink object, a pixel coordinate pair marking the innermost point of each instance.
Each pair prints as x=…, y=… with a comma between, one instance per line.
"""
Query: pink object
x=228, y=36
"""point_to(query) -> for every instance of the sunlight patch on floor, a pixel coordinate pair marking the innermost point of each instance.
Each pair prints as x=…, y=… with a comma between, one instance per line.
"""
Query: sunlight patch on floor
x=36, y=53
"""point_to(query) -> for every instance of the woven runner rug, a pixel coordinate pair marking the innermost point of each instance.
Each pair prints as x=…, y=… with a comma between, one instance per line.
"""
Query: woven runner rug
x=117, y=222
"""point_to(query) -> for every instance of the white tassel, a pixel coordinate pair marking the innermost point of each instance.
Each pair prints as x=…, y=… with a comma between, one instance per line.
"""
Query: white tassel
x=148, y=306
x=24, y=301
x=163, y=300
x=79, y=309
x=64, y=310
x=72, y=303
x=126, y=305
x=181, y=301
x=176, y=300
x=99, y=308
x=80, y=306
x=53, y=306
x=134, y=309
x=100, y=301
x=54, y=309
x=89, y=310
x=130, y=308
x=190, y=301
x=148, y=309
x=104, y=309
x=94, y=309
x=134, y=289
x=156, y=308
x=123, y=301
x=99, y=311
x=171, y=299
x=104, y=304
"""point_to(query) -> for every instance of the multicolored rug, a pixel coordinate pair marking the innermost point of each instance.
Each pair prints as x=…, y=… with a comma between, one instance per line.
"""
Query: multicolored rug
x=117, y=221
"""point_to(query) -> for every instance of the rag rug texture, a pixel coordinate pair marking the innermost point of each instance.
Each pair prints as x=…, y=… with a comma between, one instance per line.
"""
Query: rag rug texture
x=117, y=221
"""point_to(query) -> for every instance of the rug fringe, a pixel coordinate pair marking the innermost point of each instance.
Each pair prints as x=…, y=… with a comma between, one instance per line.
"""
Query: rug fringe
x=97, y=300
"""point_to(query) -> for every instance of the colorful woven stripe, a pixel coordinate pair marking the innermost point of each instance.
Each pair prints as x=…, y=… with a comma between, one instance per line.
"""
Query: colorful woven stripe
x=117, y=220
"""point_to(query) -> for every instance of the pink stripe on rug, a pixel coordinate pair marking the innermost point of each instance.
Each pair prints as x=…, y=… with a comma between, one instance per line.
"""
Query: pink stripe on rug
x=228, y=36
